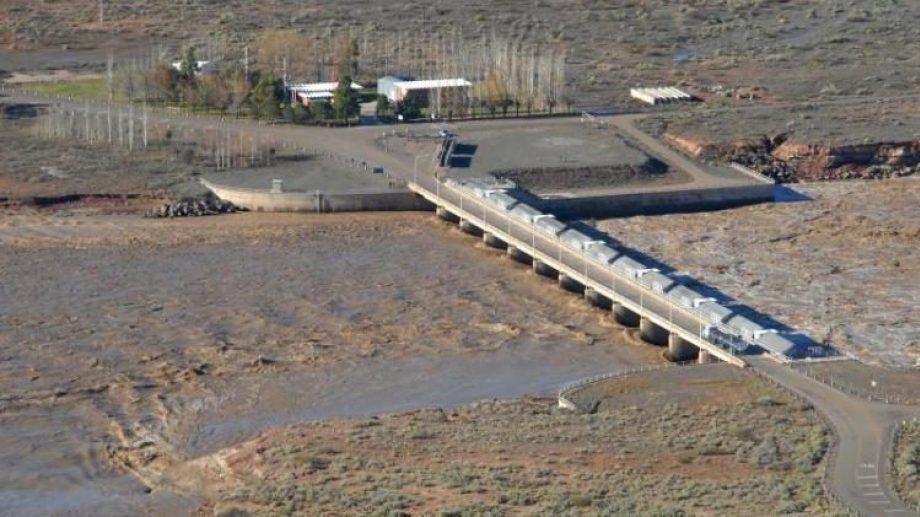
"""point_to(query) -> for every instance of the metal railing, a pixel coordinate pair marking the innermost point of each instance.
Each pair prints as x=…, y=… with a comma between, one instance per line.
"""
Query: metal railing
x=588, y=259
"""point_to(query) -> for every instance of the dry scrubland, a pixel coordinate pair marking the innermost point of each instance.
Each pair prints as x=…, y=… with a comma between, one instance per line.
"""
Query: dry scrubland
x=789, y=49
x=907, y=464
x=842, y=268
x=715, y=440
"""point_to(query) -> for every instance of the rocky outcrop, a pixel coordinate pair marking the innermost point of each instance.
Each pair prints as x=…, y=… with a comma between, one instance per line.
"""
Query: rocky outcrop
x=817, y=161
x=194, y=207
x=789, y=161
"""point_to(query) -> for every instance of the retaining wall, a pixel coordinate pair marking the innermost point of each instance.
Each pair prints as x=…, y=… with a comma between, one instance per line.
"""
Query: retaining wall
x=659, y=202
x=259, y=200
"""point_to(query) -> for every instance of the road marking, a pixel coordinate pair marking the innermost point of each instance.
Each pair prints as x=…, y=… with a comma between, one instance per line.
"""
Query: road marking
x=886, y=501
x=894, y=510
x=872, y=494
x=867, y=465
x=873, y=476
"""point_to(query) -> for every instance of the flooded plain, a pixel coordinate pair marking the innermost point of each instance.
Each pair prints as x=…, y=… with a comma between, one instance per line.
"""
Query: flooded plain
x=127, y=344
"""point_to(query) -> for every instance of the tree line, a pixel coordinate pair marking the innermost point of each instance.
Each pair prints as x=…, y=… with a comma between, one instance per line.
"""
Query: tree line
x=508, y=76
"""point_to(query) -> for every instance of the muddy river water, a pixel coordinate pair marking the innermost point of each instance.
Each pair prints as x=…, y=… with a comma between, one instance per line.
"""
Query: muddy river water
x=186, y=337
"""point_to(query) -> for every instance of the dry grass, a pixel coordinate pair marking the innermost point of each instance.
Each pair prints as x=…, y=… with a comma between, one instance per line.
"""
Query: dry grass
x=759, y=454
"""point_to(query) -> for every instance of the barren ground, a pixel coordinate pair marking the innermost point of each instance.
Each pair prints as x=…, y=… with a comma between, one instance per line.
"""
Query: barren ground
x=843, y=267
x=788, y=49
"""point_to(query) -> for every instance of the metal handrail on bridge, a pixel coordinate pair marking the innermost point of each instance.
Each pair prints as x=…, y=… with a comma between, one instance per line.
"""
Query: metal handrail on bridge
x=716, y=349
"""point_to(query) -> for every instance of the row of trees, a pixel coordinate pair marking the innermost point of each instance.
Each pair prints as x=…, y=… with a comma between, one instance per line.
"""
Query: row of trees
x=237, y=90
x=131, y=129
x=507, y=75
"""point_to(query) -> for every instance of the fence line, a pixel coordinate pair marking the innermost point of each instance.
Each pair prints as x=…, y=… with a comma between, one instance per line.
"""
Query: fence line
x=886, y=398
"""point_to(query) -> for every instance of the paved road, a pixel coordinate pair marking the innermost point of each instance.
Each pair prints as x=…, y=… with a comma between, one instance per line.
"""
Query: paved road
x=860, y=477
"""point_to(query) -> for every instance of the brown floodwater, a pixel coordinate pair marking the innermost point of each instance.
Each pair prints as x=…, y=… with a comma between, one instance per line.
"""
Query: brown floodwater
x=186, y=337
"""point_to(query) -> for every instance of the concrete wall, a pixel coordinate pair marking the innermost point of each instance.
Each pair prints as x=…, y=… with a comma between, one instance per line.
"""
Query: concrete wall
x=265, y=201
x=647, y=203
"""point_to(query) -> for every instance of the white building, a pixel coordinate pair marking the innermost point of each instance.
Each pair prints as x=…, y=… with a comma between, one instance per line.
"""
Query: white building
x=201, y=67
x=308, y=93
x=665, y=95
x=397, y=89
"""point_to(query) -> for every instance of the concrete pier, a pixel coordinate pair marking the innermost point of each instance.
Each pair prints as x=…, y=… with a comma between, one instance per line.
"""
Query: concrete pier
x=706, y=358
x=570, y=284
x=541, y=268
x=492, y=241
x=624, y=316
x=597, y=299
x=446, y=215
x=518, y=255
x=469, y=227
x=653, y=333
x=680, y=349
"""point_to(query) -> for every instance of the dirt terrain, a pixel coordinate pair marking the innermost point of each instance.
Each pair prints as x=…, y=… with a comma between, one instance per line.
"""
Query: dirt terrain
x=665, y=443
x=33, y=166
x=843, y=267
x=775, y=50
x=806, y=142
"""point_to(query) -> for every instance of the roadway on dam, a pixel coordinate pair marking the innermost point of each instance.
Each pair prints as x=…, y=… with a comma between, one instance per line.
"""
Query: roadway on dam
x=601, y=277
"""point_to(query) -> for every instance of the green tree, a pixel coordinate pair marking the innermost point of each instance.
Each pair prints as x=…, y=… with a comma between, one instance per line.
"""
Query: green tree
x=408, y=108
x=321, y=110
x=345, y=100
x=266, y=96
x=300, y=113
x=189, y=65
x=383, y=105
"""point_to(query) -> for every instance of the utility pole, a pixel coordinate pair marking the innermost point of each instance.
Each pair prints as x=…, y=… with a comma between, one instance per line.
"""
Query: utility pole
x=110, y=65
x=246, y=63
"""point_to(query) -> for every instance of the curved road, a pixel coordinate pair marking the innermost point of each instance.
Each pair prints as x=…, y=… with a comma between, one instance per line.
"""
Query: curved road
x=859, y=474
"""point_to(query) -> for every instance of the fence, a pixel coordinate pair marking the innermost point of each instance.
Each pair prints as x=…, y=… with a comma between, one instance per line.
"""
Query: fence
x=569, y=389
x=833, y=448
x=858, y=392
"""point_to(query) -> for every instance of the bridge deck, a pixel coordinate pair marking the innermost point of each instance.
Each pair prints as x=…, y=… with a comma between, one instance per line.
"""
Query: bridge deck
x=632, y=295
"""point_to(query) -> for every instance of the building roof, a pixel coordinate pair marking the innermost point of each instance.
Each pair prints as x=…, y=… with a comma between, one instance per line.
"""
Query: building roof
x=199, y=65
x=432, y=83
x=656, y=95
x=319, y=87
x=315, y=95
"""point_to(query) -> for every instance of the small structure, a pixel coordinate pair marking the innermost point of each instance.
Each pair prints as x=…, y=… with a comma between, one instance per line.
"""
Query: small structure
x=665, y=95
x=201, y=67
x=308, y=93
x=398, y=89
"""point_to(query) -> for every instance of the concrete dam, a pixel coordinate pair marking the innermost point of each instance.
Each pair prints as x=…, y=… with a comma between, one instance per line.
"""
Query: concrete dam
x=666, y=312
